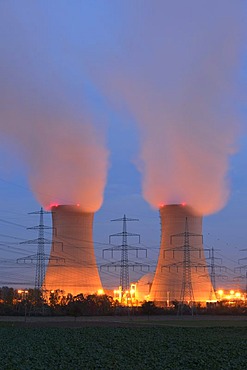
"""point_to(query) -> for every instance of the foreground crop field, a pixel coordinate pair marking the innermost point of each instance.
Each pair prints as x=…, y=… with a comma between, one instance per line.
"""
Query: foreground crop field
x=123, y=348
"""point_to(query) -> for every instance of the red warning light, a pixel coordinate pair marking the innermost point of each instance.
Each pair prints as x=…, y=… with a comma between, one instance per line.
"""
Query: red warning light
x=53, y=205
x=78, y=204
x=183, y=204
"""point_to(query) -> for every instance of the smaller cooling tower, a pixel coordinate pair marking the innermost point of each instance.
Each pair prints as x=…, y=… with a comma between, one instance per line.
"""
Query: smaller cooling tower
x=72, y=267
x=169, y=278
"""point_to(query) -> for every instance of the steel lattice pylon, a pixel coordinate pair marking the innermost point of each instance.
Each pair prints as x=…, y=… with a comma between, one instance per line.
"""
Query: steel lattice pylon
x=213, y=266
x=40, y=257
x=186, y=264
x=187, y=288
x=124, y=264
x=124, y=270
x=40, y=266
x=242, y=267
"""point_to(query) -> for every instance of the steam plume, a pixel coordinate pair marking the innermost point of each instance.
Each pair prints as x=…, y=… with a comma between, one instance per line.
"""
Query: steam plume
x=173, y=63
x=176, y=66
x=45, y=108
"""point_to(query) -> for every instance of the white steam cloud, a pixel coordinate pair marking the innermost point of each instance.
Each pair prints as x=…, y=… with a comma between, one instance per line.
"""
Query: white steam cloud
x=176, y=66
x=173, y=64
x=45, y=109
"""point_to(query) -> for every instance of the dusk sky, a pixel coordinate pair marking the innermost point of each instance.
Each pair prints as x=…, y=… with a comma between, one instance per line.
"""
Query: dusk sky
x=123, y=106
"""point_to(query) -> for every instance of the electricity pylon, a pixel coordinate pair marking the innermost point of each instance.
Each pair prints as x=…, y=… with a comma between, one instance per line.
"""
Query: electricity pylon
x=242, y=267
x=124, y=264
x=186, y=294
x=213, y=267
x=40, y=257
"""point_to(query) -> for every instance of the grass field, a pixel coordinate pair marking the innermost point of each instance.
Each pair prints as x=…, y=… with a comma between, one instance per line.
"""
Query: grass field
x=151, y=346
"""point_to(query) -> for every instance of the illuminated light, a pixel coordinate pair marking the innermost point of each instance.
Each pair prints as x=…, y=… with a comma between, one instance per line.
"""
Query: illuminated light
x=132, y=291
x=20, y=291
x=161, y=205
x=51, y=205
x=100, y=291
x=183, y=204
x=220, y=292
x=237, y=295
x=78, y=204
x=231, y=292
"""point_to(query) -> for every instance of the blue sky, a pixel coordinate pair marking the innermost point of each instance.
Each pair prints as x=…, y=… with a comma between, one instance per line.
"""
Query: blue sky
x=59, y=61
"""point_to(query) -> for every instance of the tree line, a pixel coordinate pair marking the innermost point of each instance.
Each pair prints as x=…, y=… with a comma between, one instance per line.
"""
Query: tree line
x=34, y=302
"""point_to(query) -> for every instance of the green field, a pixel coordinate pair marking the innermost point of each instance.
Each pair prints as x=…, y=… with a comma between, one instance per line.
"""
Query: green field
x=123, y=348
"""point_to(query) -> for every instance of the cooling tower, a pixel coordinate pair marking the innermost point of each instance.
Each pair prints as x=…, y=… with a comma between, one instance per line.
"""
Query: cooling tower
x=72, y=266
x=181, y=260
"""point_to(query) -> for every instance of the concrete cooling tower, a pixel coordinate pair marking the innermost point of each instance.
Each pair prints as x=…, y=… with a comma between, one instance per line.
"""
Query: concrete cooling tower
x=72, y=267
x=181, y=272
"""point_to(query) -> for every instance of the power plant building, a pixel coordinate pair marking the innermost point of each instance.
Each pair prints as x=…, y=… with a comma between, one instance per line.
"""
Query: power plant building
x=181, y=272
x=72, y=267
